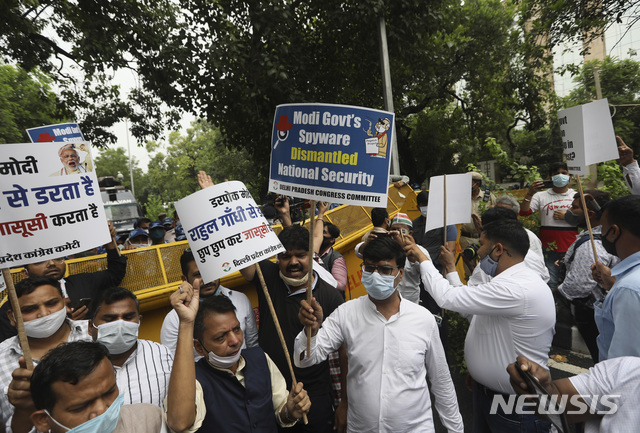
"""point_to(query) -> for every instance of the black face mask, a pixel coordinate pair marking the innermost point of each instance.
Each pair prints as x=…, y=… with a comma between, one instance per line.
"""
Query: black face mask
x=609, y=246
x=575, y=219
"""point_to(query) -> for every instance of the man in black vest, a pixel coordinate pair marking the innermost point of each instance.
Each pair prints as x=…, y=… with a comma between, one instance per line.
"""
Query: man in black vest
x=230, y=389
x=287, y=282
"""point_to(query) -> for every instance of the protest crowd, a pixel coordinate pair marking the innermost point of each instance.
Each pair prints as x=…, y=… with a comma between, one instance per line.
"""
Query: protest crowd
x=376, y=363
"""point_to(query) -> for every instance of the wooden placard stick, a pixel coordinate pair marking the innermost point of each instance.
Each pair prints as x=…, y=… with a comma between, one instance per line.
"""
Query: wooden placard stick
x=276, y=322
x=444, y=183
x=312, y=219
x=586, y=217
x=17, y=315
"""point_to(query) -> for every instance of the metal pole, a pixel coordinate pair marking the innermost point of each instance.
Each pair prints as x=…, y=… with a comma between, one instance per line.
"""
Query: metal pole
x=387, y=93
x=133, y=189
x=596, y=77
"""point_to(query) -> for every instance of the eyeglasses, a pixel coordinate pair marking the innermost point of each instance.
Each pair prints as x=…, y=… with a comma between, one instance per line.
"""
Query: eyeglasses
x=383, y=269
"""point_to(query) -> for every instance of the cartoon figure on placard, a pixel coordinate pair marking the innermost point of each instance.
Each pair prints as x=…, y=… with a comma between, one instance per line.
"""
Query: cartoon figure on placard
x=377, y=146
x=70, y=160
x=283, y=126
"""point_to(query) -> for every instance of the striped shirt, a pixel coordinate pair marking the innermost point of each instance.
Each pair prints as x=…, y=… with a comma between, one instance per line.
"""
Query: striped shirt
x=144, y=376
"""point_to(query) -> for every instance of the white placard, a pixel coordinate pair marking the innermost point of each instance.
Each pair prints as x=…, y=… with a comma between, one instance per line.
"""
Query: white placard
x=226, y=230
x=458, y=200
x=587, y=135
x=48, y=209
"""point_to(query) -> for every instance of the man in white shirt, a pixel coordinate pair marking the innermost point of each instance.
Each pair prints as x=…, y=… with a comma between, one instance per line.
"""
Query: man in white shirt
x=392, y=346
x=630, y=169
x=534, y=258
x=614, y=384
x=244, y=310
x=513, y=314
x=142, y=367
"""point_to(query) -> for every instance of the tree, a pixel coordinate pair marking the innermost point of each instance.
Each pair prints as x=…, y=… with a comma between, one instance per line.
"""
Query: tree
x=26, y=101
x=232, y=62
x=552, y=22
x=173, y=167
x=620, y=84
x=112, y=161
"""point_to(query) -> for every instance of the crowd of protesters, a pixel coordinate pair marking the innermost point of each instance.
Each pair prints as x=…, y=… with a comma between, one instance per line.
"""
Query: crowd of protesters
x=372, y=364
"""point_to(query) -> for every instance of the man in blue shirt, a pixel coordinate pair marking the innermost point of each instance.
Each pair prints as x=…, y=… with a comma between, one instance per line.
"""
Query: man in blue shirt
x=618, y=316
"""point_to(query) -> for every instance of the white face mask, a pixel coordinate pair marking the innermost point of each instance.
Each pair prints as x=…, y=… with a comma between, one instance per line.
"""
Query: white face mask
x=223, y=361
x=45, y=327
x=423, y=210
x=118, y=336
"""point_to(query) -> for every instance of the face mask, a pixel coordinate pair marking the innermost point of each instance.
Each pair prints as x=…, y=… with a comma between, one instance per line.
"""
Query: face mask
x=379, y=287
x=560, y=180
x=45, y=327
x=118, y=336
x=156, y=235
x=575, y=219
x=148, y=244
x=222, y=361
x=609, y=246
x=488, y=265
x=105, y=423
x=423, y=210
x=294, y=282
x=380, y=128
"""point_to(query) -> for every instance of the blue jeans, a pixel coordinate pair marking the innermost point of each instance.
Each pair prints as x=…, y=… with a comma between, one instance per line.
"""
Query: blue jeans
x=550, y=258
x=484, y=422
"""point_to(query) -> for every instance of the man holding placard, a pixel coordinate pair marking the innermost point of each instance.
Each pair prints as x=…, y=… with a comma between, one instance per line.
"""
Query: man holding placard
x=287, y=281
x=512, y=314
x=555, y=233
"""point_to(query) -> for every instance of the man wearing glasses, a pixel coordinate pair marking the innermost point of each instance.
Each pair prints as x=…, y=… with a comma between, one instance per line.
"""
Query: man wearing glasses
x=392, y=346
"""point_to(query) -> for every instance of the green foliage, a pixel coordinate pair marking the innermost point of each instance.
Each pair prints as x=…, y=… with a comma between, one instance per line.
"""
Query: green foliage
x=26, y=101
x=555, y=22
x=173, y=168
x=457, y=332
x=112, y=161
x=612, y=180
x=154, y=207
x=620, y=81
x=518, y=172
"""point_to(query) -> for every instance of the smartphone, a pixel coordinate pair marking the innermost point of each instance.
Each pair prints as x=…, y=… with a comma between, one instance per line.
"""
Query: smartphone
x=553, y=414
x=84, y=302
x=547, y=184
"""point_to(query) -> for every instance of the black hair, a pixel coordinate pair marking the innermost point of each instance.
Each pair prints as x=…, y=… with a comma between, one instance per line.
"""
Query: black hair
x=601, y=197
x=68, y=362
x=333, y=230
x=383, y=248
x=28, y=285
x=497, y=213
x=140, y=221
x=378, y=215
x=422, y=198
x=294, y=237
x=625, y=213
x=111, y=295
x=510, y=234
x=556, y=166
x=211, y=305
x=185, y=259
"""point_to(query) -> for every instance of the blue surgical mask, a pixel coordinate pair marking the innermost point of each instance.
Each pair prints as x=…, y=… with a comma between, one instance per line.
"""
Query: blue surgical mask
x=378, y=286
x=488, y=265
x=105, y=423
x=118, y=336
x=560, y=180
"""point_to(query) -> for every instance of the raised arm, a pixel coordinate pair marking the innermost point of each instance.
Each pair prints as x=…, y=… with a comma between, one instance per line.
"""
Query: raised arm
x=181, y=398
x=318, y=230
